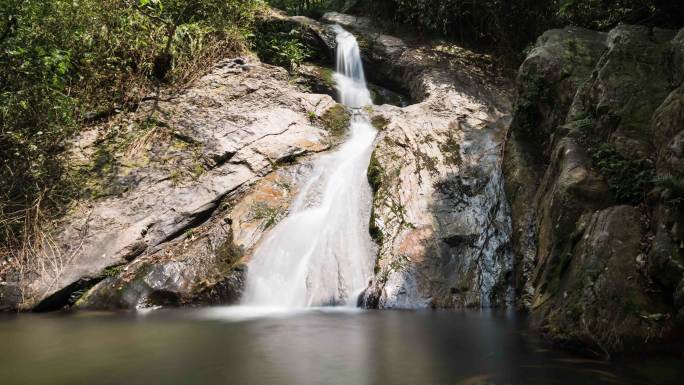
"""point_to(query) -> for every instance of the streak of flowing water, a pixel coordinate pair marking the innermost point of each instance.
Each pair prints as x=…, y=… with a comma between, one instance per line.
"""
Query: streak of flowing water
x=320, y=254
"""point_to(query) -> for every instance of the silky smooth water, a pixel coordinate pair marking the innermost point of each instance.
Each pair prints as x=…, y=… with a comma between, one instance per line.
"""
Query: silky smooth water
x=328, y=346
x=321, y=253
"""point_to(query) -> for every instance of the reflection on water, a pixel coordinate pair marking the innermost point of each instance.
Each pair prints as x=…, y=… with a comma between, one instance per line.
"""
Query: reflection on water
x=320, y=346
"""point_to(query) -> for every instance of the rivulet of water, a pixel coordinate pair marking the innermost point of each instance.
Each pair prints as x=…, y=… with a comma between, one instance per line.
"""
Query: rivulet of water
x=320, y=254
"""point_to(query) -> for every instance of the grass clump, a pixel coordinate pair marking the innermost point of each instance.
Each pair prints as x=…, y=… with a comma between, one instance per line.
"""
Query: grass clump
x=228, y=251
x=113, y=271
x=269, y=216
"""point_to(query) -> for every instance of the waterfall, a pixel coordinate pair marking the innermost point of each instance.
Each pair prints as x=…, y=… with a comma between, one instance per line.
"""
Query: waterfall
x=350, y=80
x=320, y=254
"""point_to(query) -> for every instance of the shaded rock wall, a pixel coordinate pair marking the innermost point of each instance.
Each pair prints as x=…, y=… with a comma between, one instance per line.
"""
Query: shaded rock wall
x=592, y=169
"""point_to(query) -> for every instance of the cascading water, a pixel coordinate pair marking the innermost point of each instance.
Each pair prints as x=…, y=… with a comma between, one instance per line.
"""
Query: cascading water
x=320, y=254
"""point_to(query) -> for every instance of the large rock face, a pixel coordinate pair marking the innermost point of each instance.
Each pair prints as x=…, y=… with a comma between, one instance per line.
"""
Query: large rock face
x=185, y=196
x=593, y=173
x=190, y=182
x=439, y=212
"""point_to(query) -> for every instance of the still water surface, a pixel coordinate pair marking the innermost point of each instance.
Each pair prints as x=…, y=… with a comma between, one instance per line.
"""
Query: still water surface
x=238, y=346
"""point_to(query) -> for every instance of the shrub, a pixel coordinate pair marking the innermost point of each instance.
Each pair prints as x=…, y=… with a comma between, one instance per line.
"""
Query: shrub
x=285, y=50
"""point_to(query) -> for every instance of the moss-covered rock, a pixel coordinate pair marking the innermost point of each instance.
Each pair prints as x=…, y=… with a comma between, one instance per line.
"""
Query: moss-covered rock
x=598, y=115
x=374, y=174
x=336, y=120
x=379, y=122
x=548, y=79
x=547, y=82
x=600, y=298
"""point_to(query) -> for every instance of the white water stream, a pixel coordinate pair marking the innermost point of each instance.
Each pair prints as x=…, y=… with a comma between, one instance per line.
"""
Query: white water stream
x=320, y=254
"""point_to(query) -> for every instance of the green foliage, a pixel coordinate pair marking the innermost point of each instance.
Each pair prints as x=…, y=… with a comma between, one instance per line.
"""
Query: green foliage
x=311, y=8
x=174, y=14
x=284, y=50
x=516, y=23
x=64, y=62
x=281, y=43
x=599, y=14
x=490, y=21
x=628, y=179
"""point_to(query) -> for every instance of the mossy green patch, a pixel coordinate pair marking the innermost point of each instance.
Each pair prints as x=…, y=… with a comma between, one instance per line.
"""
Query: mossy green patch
x=379, y=122
x=374, y=173
x=336, y=120
x=113, y=271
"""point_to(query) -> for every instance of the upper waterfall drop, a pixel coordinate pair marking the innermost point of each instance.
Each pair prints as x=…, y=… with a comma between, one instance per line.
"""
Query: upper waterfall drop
x=350, y=78
x=321, y=253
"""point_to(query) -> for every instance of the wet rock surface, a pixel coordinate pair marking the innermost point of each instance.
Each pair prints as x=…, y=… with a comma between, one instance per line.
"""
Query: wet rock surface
x=439, y=213
x=170, y=227
x=593, y=174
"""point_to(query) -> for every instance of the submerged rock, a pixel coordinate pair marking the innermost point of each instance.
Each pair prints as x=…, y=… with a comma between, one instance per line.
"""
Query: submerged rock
x=439, y=214
x=592, y=171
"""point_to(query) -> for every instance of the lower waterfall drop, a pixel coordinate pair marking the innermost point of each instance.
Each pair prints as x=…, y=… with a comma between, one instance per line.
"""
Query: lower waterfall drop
x=321, y=253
